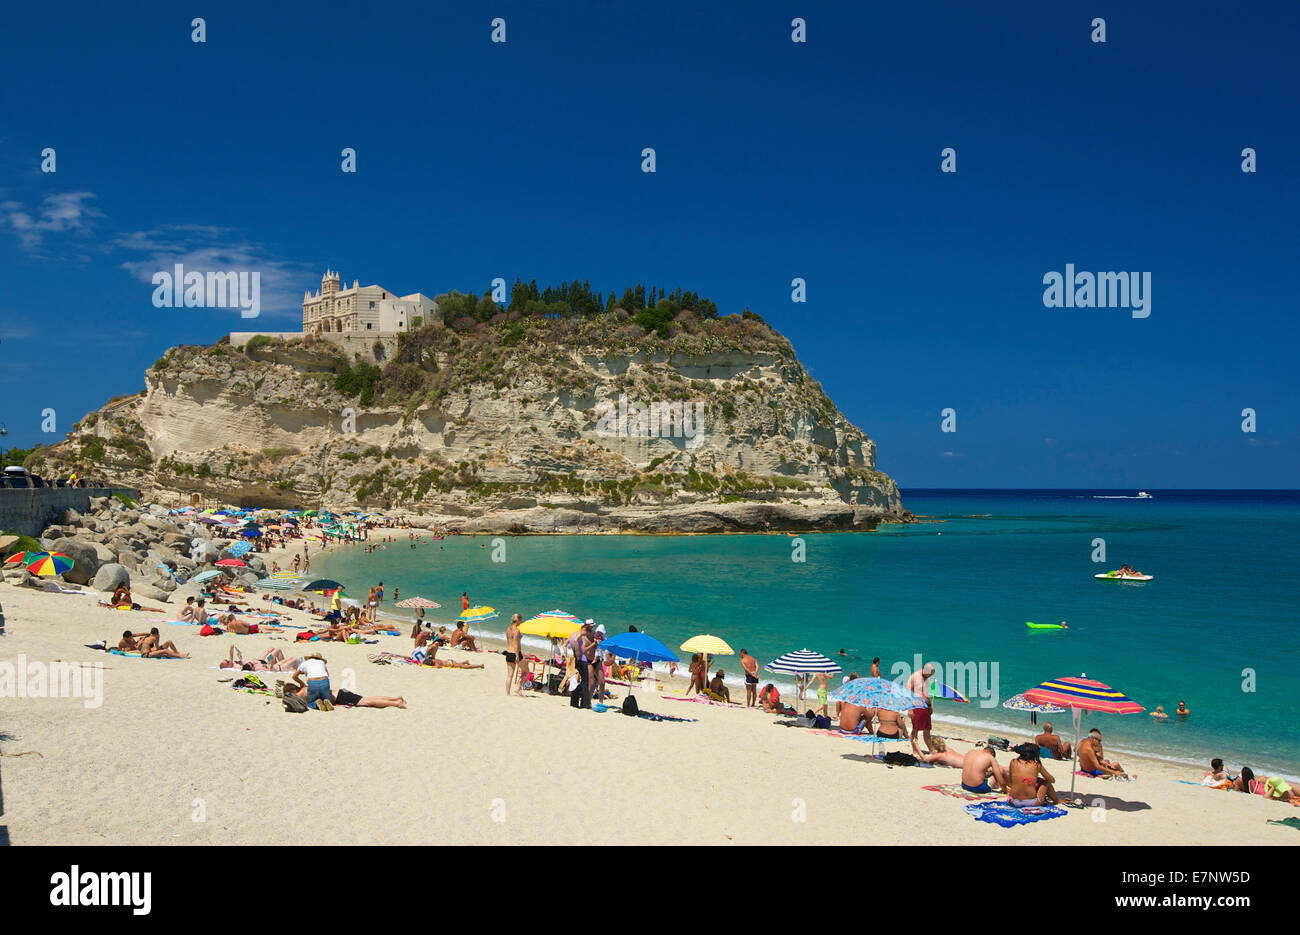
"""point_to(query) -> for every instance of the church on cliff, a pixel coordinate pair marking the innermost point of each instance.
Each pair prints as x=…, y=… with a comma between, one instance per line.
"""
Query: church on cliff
x=361, y=309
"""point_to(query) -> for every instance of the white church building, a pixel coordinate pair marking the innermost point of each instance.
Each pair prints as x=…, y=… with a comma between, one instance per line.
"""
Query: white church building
x=357, y=308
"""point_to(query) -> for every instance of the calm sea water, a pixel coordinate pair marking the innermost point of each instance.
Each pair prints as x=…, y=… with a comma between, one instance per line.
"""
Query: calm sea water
x=1216, y=628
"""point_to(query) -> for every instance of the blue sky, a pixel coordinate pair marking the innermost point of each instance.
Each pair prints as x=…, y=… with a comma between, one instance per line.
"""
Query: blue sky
x=775, y=160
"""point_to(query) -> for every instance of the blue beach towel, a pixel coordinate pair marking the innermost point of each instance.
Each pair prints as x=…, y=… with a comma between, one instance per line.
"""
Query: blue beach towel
x=118, y=652
x=1008, y=816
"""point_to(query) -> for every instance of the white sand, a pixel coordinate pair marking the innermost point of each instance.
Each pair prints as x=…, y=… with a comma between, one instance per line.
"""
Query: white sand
x=175, y=756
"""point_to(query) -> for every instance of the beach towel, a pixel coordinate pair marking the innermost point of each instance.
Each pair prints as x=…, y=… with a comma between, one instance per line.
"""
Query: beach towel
x=1008, y=816
x=866, y=738
x=955, y=790
x=698, y=700
x=119, y=652
x=1289, y=822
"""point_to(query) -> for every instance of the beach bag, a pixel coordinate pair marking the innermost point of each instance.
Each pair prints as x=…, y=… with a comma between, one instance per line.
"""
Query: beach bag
x=897, y=758
x=294, y=704
x=206, y=631
x=821, y=722
x=630, y=707
x=1000, y=743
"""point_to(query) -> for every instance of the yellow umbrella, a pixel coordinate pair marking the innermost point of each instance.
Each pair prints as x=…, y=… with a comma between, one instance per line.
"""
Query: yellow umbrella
x=553, y=627
x=709, y=645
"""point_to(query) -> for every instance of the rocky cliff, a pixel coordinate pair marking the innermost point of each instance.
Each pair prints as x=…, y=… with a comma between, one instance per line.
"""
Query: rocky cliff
x=520, y=423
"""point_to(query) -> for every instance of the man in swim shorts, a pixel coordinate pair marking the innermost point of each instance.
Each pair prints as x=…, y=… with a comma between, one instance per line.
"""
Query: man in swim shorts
x=976, y=767
x=1060, y=748
x=750, y=665
x=823, y=702
x=918, y=683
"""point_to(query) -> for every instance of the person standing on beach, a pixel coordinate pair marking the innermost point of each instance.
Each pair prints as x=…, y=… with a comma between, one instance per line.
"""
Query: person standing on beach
x=598, y=664
x=697, y=675
x=514, y=656
x=750, y=665
x=919, y=684
x=583, y=643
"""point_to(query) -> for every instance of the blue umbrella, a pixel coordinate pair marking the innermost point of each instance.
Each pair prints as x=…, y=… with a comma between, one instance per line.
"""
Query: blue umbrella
x=251, y=533
x=877, y=693
x=641, y=647
x=239, y=548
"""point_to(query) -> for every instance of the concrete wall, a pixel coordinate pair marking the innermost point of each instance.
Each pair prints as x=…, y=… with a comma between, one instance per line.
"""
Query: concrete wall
x=29, y=511
x=352, y=342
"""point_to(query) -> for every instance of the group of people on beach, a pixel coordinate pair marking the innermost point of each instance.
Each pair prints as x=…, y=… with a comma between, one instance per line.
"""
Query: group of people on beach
x=1271, y=787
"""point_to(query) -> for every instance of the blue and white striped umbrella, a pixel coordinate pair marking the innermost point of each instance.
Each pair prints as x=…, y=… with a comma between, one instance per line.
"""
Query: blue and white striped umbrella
x=803, y=662
x=877, y=693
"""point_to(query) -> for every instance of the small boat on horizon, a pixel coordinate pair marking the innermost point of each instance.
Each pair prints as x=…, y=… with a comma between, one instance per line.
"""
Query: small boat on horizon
x=1143, y=495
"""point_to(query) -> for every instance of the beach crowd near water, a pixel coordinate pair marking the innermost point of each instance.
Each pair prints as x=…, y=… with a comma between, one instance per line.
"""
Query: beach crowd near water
x=282, y=618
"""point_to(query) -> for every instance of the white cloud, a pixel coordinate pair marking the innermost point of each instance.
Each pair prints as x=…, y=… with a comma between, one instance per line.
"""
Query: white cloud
x=204, y=249
x=61, y=213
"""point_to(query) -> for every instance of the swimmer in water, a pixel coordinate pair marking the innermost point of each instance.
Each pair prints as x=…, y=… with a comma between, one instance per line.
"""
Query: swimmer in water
x=1159, y=714
x=1181, y=710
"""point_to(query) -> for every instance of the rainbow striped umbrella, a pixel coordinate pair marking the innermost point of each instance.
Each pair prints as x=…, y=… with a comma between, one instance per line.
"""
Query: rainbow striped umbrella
x=50, y=563
x=944, y=690
x=478, y=614
x=1082, y=694
x=417, y=602
x=554, y=624
x=22, y=558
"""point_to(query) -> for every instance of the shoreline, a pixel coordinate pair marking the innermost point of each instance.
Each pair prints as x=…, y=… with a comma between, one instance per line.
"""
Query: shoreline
x=953, y=725
x=209, y=765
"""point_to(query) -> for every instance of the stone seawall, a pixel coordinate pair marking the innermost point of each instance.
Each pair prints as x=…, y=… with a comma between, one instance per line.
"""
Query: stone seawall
x=29, y=511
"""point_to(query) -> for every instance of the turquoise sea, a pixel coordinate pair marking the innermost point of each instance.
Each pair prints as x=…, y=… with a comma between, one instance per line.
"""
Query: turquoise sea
x=1217, y=627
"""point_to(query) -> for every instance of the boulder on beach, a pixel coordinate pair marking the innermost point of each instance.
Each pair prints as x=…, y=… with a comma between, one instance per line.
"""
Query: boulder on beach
x=110, y=577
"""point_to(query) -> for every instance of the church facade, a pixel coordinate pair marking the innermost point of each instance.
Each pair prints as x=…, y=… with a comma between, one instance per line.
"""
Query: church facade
x=336, y=309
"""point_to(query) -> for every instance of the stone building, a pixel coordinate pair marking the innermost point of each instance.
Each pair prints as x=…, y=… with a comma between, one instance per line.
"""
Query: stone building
x=358, y=308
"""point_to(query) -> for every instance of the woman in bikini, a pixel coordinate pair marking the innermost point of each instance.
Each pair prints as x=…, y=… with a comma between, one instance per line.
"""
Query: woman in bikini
x=1031, y=783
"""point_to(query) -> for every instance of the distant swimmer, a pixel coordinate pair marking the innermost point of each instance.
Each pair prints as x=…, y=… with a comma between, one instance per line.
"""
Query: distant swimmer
x=1159, y=714
x=875, y=668
x=1182, y=710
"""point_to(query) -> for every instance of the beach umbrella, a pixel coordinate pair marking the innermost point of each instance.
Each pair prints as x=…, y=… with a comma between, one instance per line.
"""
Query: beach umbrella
x=50, y=563
x=1082, y=694
x=417, y=602
x=553, y=627
x=877, y=693
x=944, y=690
x=1021, y=703
x=478, y=614
x=710, y=646
x=639, y=647
x=250, y=533
x=22, y=558
x=285, y=575
x=803, y=663
x=320, y=584
x=231, y=563
x=206, y=576
x=208, y=520
x=275, y=585
x=238, y=549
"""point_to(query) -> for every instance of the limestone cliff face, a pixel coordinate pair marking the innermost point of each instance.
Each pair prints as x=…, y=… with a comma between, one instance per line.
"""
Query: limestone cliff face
x=526, y=425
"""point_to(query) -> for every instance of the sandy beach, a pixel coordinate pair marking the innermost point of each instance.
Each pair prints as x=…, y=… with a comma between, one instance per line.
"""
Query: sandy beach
x=173, y=755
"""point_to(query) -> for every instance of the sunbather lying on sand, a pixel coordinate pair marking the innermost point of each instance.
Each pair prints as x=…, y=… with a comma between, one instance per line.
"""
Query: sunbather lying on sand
x=234, y=625
x=273, y=660
x=122, y=598
x=940, y=755
x=431, y=659
x=345, y=697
